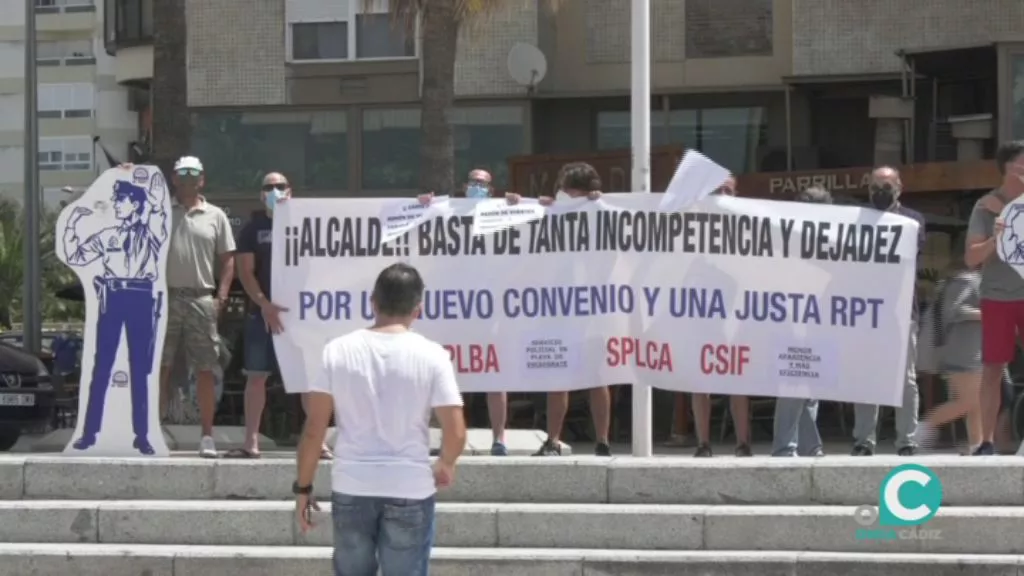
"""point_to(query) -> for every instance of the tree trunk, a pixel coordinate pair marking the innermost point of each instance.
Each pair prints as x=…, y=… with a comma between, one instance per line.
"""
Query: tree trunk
x=172, y=128
x=440, y=31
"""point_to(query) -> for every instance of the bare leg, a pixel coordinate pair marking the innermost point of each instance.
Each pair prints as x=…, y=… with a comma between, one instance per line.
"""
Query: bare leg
x=601, y=411
x=497, y=411
x=207, y=396
x=964, y=388
x=255, y=401
x=991, y=395
x=740, y=408
x=702, y=417
x=558, y=406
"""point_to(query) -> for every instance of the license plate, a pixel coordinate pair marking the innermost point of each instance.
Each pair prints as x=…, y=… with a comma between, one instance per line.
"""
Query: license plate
x=17, y=400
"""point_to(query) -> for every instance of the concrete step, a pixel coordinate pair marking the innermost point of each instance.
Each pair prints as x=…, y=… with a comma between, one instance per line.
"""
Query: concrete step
x=988, y=530
x=834, y=480
x=121, y=560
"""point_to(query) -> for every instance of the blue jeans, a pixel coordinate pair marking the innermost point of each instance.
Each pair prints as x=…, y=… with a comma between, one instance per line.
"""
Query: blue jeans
x=393, y=534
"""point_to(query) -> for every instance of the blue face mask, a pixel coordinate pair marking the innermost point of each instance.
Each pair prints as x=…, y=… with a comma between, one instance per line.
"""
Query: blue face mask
x=477, y=191
x=271, y=199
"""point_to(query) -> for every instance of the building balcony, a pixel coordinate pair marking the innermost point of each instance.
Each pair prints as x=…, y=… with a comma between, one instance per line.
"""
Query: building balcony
x=65, y=15
x=127, y=24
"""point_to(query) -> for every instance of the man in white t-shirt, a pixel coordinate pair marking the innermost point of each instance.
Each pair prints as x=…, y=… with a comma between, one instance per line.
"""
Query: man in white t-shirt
x=381, y=384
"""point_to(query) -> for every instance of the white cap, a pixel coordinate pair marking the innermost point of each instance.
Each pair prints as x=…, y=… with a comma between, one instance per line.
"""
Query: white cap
x=188, y=163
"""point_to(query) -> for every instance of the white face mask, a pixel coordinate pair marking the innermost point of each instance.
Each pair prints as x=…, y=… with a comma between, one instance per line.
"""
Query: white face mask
x=562, y=195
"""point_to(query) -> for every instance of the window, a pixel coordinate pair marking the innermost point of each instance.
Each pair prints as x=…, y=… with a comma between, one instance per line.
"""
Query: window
x=65, y=154
x=380, y=36
x=345, y=30
x=69, y=53
x=66, y=100
x=310, y=148
x=1017, y=95
x=729, y=136
x=133, y=21
x=53, y=6
x=320, y=41
x=485, y=137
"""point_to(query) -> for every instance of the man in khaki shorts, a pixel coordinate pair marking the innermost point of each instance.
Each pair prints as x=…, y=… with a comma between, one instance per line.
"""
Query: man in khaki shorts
x=200, y=236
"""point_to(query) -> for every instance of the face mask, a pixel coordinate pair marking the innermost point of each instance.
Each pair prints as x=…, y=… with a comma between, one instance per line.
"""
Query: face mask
x=562, y=195
x=477, y=191
x=271, y=199
x=883, y=197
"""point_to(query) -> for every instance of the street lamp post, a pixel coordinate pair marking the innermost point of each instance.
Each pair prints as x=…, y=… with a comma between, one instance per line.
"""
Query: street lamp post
x=640, y=119
x=32, y=285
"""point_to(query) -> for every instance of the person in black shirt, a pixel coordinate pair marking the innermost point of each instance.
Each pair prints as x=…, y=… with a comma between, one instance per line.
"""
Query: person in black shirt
x=263, y=316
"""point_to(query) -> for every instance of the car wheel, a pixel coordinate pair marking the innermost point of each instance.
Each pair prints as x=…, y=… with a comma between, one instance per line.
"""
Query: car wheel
x=8, y=438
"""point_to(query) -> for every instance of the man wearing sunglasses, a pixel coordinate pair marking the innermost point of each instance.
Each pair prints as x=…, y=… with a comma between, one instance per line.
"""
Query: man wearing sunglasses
x=263, y=316
x=201, y=239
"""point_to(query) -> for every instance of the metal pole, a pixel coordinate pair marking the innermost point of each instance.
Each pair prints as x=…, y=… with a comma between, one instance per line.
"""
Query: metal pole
x=32, y=286
x=640, y=121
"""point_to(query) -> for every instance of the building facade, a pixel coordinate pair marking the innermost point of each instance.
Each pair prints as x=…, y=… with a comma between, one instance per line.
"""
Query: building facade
x=329, y=92
x=79, y=98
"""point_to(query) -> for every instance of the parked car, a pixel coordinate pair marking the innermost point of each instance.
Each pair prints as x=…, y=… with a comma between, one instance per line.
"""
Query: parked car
x=28, y=399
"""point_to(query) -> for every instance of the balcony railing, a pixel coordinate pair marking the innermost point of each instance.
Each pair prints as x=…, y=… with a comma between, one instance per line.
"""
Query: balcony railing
x=127, y=23
x=65, y=6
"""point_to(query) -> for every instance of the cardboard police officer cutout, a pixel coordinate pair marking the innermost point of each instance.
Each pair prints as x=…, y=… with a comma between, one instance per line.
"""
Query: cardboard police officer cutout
x=115, y=237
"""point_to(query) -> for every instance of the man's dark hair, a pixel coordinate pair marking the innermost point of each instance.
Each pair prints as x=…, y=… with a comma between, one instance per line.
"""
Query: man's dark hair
x=1007, y=153
x=579, y=176
x=814, y=195
x=398, y=290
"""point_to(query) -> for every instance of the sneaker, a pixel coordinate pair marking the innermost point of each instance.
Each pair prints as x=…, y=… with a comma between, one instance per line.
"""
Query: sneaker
x=498, y=449
x=907, y=451
x=862, y=450
x=744, y=451
x=549, y=448
x=817, y=453
x=986, y=449
x=602, y=449
x=703, y=451
x=207, y=449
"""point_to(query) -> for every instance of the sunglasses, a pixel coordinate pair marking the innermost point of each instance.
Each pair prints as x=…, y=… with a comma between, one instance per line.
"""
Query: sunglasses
x=278, y=187
x=193, y=172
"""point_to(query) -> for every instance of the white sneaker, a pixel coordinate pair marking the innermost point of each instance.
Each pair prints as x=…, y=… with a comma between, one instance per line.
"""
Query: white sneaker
x=207, y=449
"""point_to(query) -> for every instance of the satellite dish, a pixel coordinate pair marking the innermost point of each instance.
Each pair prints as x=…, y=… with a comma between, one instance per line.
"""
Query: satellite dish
x=527, y=64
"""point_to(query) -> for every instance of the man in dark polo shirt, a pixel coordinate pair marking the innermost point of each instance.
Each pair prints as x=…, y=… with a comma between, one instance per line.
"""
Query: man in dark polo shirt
x=263, y=316
x=884, y=193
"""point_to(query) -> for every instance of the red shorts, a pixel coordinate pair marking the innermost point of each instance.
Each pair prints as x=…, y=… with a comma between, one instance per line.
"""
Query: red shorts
x=1001, y=323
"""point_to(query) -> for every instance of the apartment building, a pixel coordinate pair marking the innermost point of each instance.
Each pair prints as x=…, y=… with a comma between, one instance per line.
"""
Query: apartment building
x=783, y=92
x=78, y=98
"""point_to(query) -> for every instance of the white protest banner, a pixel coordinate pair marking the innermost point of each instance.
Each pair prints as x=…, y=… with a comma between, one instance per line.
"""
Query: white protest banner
x=736, y=296
x=400, y=216
x=696, y=177
x=116, y=237
x=497, y=214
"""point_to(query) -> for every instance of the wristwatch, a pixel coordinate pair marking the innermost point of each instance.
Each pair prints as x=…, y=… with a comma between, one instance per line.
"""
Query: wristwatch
x=301, y=490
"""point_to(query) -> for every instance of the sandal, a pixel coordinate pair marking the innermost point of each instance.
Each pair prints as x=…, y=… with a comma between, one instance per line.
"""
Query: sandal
x=241, y=454
x=326, y=454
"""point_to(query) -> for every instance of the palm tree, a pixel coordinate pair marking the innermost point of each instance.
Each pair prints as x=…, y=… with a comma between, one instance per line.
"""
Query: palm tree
x=172, y=128
x=440, y=22
x=55, y=274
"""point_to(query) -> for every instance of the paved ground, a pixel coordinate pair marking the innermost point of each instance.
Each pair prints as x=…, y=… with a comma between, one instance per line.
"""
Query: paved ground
x=586, y=449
